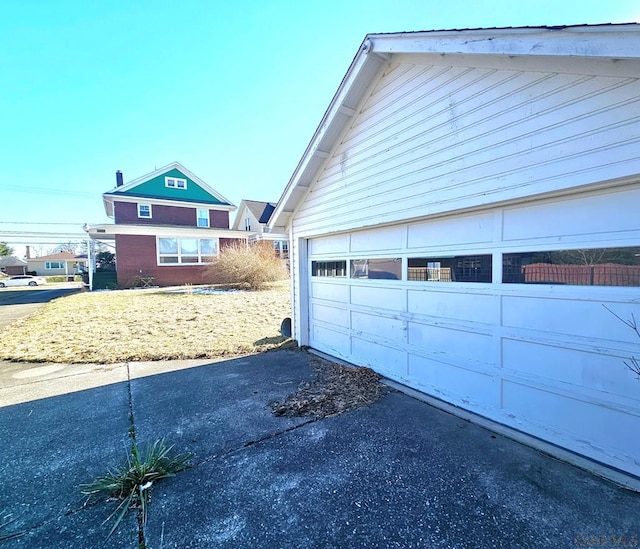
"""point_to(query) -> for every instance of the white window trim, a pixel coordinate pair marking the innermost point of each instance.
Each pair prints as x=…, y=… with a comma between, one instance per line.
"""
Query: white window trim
x=48, y=267
x=179, y=253
x=150, y=216
x=205, y=217
x=175, y=183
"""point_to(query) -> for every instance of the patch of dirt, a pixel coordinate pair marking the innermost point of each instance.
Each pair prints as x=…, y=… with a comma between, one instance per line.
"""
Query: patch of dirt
x=335, y=389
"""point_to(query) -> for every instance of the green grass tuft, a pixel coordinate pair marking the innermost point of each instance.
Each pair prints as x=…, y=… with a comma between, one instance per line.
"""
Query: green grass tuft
x=130, y=484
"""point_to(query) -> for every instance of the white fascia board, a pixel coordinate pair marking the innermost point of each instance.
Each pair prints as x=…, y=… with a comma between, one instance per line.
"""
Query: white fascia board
x=108, y=231
x=171, y=202
x=608, y=41
x=590, y=66
x=341, y=110
x=271, y=236
x=174, y=165
x=107, y=201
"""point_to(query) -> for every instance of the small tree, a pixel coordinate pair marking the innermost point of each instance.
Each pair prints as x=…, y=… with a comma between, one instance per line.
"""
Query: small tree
x=250, y=266
x=5, y=249
x=73, y=247
x=105, y=261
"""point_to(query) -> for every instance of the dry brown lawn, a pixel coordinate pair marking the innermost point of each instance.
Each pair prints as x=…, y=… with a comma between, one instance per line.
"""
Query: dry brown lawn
x=136, y=325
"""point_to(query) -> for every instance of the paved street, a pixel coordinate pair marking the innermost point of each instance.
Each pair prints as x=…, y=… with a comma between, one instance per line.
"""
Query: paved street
x=16, y=303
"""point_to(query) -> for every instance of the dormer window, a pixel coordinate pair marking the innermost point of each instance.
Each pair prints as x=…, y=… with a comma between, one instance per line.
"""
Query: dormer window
x=144, y=210
x=175, y=183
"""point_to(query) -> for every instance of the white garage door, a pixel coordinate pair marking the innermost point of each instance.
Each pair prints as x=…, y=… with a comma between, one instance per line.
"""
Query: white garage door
x=510, y=313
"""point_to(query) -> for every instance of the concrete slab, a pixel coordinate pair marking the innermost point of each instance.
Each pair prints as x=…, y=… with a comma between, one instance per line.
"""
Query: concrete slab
x=399, y=473
x=24, y=382
x=217, y=408
x=50, y=447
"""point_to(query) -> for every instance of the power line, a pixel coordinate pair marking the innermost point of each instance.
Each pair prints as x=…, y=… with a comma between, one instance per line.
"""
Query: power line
x=44, y=190
x=41, y=223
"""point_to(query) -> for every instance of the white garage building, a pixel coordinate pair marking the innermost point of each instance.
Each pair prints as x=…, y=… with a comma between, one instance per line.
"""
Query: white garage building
x=465, y=214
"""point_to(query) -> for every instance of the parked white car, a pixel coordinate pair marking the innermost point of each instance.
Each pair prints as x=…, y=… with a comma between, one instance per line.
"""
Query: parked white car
x=22, y=280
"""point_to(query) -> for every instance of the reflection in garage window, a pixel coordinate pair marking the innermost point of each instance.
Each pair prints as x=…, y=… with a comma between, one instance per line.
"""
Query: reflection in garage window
x=388, y=269
x=579, y=267
x=329, y=268
x=459, y=268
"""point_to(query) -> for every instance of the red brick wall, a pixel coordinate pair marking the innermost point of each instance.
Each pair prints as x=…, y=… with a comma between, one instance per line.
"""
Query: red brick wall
x=218, y=219
x=136, y=253
x=127, y=212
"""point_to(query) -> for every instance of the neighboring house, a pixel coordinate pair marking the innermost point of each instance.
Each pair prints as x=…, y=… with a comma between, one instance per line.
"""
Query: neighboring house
x=11, y=265
x=446, y=163
x=62, y=263
x=253, y=216
x=169, y=225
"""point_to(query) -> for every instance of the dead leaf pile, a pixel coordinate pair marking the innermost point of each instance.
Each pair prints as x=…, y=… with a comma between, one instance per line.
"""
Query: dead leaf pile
x=335, y=389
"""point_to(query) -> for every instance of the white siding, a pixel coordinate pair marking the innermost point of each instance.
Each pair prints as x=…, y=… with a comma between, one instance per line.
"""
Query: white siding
x=545, y=359
x=433, y=139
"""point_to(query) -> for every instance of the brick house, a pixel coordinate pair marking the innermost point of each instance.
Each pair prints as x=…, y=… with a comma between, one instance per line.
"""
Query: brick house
x=168, y=225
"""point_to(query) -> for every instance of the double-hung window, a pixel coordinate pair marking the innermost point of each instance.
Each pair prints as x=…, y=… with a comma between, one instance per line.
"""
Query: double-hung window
x=202, y=218
x=144, y=211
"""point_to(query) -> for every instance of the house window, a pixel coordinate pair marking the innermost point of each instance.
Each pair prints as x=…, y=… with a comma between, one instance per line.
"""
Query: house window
x=175, y=183
x=180, y=251
x=50, y=265
x=459, y=268
x=203, y=218
x=330, y=269
x=281, y=248
x=580, y=267
x=388, y=269
x=247, y=224
x=144, y=210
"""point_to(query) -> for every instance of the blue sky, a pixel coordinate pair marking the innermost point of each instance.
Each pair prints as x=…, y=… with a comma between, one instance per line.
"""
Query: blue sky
x=232, y=90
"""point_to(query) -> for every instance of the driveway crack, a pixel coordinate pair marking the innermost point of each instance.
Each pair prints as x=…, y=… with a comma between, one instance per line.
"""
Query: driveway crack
x=134, y=449
x=251, y=443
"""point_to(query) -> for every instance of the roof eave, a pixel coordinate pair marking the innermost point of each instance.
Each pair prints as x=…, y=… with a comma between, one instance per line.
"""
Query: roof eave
x=341, y=110
x=595, y=41
x=174, y=165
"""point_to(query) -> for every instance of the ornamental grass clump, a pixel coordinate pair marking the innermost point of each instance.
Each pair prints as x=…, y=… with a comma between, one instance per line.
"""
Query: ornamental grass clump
x=251, y=266
x=131, y=483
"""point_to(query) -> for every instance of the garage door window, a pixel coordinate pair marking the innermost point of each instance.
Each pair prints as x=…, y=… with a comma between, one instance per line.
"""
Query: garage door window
x=461, y=268
x=579, y=267
x=387, y=269
x=329, y=269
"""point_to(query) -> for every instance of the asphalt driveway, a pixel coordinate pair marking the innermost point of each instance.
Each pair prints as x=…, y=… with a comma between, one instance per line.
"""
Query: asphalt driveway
x=17, y=303
x=398, y=473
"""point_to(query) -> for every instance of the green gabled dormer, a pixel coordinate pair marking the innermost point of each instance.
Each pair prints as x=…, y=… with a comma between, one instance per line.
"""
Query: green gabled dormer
x=169, y=195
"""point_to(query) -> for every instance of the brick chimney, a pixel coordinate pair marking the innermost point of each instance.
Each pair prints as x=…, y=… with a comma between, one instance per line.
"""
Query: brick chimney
x=119, y=180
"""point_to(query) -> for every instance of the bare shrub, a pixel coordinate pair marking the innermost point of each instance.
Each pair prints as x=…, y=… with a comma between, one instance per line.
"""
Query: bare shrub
x=251, y=267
